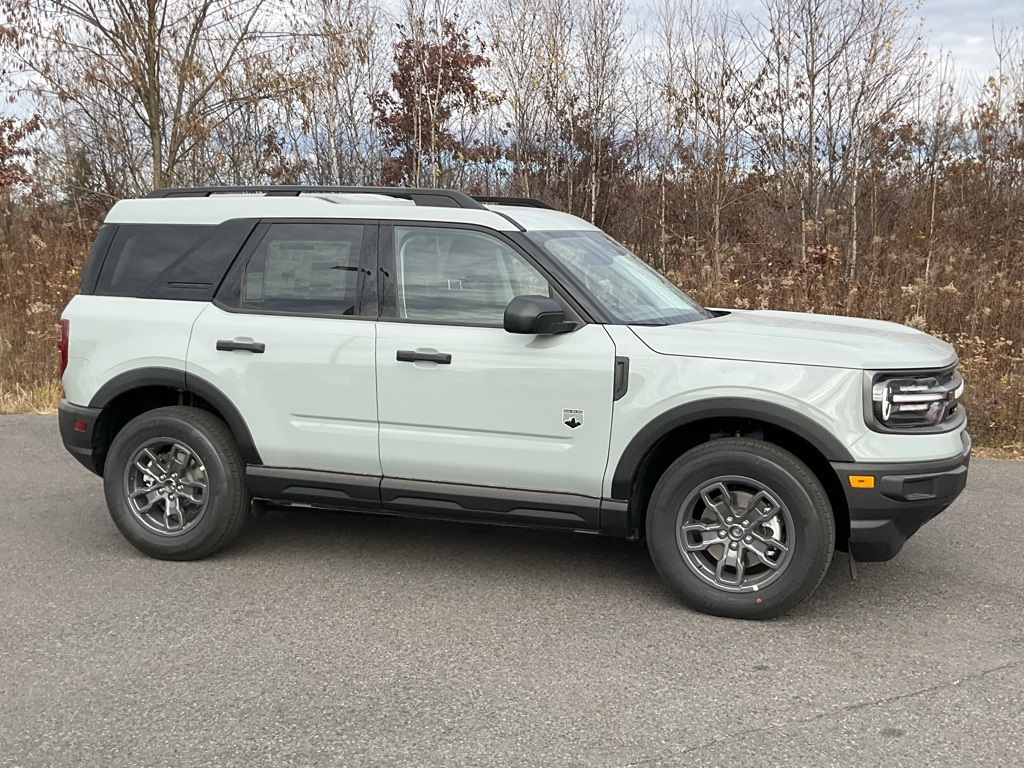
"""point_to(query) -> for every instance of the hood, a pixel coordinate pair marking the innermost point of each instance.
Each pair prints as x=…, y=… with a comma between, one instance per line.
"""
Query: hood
x=801, y=339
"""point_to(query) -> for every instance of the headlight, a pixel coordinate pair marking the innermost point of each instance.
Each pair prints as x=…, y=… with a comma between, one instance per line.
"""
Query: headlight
x=920, y=401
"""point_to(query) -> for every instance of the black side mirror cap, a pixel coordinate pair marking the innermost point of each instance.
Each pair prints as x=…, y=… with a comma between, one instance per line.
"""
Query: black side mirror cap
x=536, y=315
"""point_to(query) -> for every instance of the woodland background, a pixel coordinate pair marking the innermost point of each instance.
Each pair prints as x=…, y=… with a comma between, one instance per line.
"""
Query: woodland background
x=815, y=155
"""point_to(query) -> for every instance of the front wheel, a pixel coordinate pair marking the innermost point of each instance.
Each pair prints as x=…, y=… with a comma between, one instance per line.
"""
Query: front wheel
x=740, y=528
x=175, y=484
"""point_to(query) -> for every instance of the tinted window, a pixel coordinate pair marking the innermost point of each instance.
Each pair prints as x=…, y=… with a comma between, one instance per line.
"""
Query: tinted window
x=140, y=252
x=196, y=275
x=305, y=268
x=459, y=276
x=91, y=273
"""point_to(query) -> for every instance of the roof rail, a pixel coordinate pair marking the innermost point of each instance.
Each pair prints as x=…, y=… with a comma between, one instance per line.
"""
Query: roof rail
x=437, y=198
x=525, y=202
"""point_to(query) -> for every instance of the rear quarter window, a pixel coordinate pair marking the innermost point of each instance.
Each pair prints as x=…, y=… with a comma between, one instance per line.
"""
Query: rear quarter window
x=139, y=253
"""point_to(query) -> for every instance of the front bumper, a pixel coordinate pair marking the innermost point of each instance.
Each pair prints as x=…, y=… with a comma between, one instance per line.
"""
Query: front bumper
x=904, y=497
x=78, y=440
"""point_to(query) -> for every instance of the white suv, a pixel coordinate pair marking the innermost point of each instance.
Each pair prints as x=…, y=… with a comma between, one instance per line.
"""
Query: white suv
x=427, y=353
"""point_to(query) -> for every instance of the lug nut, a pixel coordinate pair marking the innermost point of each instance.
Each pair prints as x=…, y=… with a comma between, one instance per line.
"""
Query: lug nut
x=733, y=545
x=721, y=534
x=728, y=519
x=748, y=539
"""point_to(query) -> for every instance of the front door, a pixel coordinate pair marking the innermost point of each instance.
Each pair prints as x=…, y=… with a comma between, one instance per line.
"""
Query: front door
x=463, y=402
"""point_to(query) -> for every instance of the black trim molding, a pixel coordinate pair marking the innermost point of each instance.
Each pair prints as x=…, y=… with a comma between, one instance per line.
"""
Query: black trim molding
x=177, y=379
x=498, y=505
x=224, y=406
x=444, y=501
x=621, y=378
x=78, y=444
x=304, y=486
x=136, y=379
x=725, y=407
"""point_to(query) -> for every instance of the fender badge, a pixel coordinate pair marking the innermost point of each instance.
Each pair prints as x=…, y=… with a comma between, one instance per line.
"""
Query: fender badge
x=572, y=417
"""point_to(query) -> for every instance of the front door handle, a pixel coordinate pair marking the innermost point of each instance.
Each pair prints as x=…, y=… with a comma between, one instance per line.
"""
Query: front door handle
x=227, y=345
x=412, y=356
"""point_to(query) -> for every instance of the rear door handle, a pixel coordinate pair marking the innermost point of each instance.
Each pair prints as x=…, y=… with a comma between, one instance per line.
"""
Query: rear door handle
x=227, y=345
x=412, y=356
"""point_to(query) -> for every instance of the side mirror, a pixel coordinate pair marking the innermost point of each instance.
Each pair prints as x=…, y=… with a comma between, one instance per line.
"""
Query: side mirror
x=535, y=315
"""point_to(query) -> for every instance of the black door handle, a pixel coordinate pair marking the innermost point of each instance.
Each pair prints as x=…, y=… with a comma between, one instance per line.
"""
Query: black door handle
x=226, y=345
x=411, y=356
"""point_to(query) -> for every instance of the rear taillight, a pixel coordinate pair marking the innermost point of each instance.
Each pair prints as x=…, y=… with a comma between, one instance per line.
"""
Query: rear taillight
x=65, y=333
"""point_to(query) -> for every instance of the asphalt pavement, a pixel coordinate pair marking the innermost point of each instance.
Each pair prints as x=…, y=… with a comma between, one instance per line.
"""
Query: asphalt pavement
x=337, y=639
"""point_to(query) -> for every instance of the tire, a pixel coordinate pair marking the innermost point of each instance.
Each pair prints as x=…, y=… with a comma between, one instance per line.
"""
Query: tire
x=186, y=514
x=740, y=528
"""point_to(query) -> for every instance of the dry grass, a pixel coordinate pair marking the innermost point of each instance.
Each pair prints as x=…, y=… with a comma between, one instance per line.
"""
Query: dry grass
x=40, y=398
x=42, y=250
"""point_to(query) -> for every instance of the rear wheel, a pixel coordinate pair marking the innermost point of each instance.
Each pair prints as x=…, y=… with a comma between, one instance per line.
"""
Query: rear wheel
x=175, y=485
x=740, y=528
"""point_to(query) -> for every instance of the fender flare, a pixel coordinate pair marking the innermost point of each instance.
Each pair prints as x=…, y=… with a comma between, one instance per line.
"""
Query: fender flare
x=725, y=407
x=185, y=382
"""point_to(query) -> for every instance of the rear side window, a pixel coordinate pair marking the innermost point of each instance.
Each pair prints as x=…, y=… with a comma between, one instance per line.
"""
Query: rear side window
x=196, y=275
x=139, y=253
x=91, y=272
x=305, y=268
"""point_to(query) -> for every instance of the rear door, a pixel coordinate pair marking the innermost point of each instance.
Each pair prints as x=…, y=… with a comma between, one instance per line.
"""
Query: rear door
x=290, y=340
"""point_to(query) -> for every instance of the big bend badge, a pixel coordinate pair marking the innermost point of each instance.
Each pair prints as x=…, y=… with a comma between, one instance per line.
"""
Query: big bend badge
x=572, y=417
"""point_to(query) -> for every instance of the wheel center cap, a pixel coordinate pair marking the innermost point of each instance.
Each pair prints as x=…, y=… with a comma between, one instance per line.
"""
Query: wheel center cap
x=736, y=533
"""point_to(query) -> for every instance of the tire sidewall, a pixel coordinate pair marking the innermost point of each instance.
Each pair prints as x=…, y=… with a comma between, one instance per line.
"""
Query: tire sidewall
x=795, y=486
x=222, y=487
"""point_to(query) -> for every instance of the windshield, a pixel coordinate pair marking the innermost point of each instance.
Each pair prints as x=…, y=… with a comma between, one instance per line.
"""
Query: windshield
x=632, y=292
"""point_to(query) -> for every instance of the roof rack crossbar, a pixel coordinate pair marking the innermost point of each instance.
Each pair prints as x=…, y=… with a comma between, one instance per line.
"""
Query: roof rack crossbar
x=525, y=202
x=438, y=198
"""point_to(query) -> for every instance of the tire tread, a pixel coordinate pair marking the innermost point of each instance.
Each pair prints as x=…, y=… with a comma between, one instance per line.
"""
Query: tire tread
x=223, y=442
x=679, y=576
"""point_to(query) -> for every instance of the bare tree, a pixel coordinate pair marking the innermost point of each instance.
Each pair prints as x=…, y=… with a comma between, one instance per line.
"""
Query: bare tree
x=599, y=80
x=882, y=65
x=434, y=89
x=802, y=43
x=155, y=68
x=722, y=75
x=345, y=54
x=516, y=32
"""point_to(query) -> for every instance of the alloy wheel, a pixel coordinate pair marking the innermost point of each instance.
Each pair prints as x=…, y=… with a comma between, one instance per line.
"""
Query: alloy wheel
x=735, y=533
x=166, y=486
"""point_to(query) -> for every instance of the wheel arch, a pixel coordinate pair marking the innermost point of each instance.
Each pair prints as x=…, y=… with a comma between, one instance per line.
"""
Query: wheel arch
x=676, y=431
x=134, y=392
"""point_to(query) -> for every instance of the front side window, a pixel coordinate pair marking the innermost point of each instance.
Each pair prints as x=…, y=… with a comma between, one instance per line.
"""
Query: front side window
x=630, y=291
x=459, y=276
x=308, y=268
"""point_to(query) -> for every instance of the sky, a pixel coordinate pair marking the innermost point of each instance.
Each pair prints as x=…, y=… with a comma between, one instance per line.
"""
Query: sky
x=962, y=27
x=965, y=28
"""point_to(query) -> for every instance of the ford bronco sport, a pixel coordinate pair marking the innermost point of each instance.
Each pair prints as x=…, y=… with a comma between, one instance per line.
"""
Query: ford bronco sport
x=427, y=353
